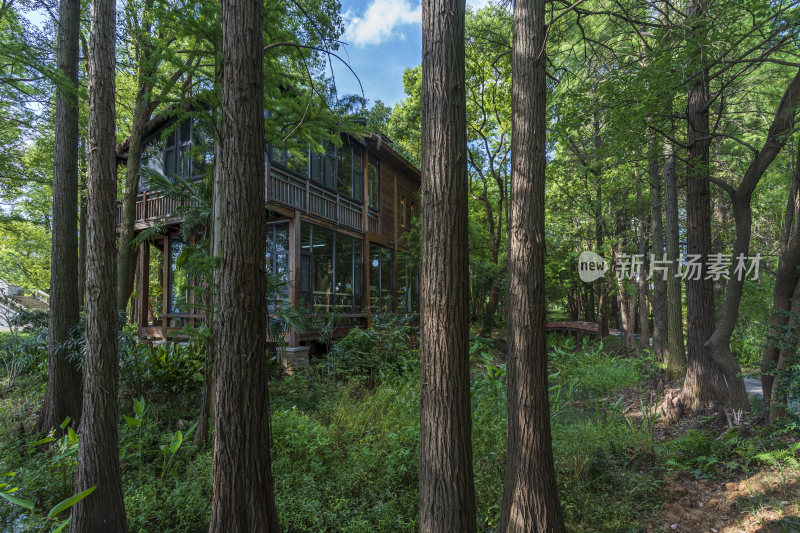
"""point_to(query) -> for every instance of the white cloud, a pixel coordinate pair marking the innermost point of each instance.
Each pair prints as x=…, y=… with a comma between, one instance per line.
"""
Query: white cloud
x=381, y=21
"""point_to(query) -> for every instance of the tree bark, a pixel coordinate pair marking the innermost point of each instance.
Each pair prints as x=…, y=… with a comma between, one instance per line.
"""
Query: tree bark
x=786, y=278
x=718, y=346
x=127, y=253
x=63, y=393
x=644, y=315
x=675, y=354
x=657, y=240
x=98, y=455
x=82, y=253
x=530, y=495
x=786, y=356
x=446, y=486
x=243, y=496
x=217, y=217
x=703, y=382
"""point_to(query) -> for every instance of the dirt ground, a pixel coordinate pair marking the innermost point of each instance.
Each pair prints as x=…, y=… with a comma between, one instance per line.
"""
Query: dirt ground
x=766, y=501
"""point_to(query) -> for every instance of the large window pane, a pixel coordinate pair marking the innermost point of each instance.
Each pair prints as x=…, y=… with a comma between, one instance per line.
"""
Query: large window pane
x=373, y=177
x=345, y=171
x=178, y=280
x=380, y=278
x=278, y=263
x=152, y=162
x=322, y=252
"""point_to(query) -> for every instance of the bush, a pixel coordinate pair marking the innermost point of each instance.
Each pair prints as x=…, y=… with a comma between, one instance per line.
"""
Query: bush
x=168, y=368
x=374, y=354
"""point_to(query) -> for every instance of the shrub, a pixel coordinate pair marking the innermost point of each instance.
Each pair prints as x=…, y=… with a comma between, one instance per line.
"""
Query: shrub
x=374, y=354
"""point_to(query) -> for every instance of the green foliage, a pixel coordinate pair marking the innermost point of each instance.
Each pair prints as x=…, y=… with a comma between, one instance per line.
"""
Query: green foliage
x=167, y=368
x=592, y=371
x=374, y=354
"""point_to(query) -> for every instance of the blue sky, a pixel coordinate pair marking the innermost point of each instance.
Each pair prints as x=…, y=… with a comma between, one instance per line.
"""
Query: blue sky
x=383, y=38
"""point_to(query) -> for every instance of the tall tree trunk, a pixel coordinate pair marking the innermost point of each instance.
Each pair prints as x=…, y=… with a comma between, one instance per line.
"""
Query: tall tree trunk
x=530, y=493
x=98, y=455
x=446, y=486
x=675, y=354
x=657, y=239
x=603, y=286
x=644, y=315
x=63, y=394
x=786, y=278
x=127, y=253
x=702, y=383
x=243, y=498
x=82, y=253
x=217, y=217
x=718, y=346
x=786, y=356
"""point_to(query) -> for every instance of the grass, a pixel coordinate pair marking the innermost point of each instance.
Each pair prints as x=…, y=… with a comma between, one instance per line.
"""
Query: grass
x=345, y=450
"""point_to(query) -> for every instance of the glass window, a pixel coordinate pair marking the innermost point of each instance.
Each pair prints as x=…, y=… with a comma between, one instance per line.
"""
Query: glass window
x=202, y=147
x=323, y=165
x=330, y=166
x=373, y=179
x=278, y=264
x=403, y=211
x=358, y=172
x=345, y=171
x=322, y=253
x=152, y=162
x=178, y=280
x=380, y=278
x=408, y=287
x=331, y=266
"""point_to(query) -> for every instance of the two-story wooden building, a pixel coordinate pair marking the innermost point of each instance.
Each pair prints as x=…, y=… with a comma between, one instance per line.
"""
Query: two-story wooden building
x=334, y=226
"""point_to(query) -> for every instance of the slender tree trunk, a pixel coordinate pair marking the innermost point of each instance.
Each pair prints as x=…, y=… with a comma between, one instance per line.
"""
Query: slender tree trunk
x=657, y=237
x=644, y=315
x=127, y=253
x=603, y=286
x=675, y=355
x=217, y=217
x=530, y=494
x=63, y=394
x=703, y=382
x=446, y=486
x=98, y=455
x=82, y=253
x=786, y=359
x=718, y=346
x=786, y=278
x=243, y=498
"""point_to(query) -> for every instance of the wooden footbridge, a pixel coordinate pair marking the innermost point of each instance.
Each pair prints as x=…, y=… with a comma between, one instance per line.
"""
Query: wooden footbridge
x=574, y=328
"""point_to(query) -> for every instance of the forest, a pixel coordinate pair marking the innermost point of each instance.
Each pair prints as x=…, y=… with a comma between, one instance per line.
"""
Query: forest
x=554, y=287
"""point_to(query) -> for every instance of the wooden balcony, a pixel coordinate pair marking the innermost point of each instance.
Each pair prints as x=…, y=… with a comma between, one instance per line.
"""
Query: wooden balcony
x=284, y=189
x=281, y=188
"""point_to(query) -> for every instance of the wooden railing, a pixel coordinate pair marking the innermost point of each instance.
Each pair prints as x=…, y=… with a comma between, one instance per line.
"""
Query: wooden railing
x=152, y=206
x=285, y=189
x=373, y=220
x=281, y=188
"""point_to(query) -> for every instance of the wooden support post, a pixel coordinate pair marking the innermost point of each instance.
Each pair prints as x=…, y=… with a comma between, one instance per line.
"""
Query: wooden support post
x=165, y=289
x=144, y=284
x=295, y=232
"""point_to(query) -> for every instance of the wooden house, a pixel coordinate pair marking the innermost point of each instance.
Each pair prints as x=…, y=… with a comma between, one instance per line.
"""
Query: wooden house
x=334, y=226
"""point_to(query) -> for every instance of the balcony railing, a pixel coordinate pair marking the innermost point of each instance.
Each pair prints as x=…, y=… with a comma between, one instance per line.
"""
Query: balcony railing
x=282, y=188
x=285, y=189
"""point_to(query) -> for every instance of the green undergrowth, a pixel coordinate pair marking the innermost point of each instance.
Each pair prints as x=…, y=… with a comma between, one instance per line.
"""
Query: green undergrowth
x=345, y=443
